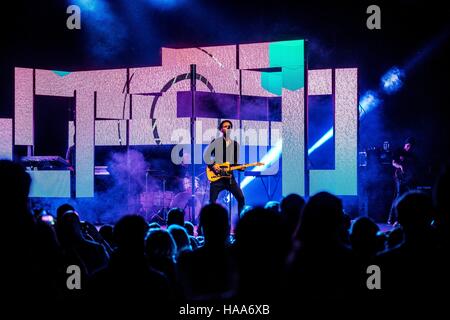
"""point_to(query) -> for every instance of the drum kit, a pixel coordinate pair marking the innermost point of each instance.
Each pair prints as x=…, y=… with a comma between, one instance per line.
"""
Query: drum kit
x=156, y=203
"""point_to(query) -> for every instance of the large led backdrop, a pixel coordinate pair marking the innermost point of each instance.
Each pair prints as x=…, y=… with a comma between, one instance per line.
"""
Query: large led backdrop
x=263, y=87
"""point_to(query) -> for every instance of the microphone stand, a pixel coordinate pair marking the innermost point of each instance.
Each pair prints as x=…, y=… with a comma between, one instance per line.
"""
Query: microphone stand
x=125, y=91
x=193, y=73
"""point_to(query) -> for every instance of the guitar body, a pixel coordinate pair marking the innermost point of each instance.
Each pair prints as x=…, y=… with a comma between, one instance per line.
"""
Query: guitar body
x=225, y=170
x=403, y=176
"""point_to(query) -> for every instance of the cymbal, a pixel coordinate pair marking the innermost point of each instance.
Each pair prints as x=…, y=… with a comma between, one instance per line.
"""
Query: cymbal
x=159, y=173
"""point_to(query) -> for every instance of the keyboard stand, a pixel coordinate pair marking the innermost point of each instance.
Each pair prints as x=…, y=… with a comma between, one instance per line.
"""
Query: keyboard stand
x=258, y=174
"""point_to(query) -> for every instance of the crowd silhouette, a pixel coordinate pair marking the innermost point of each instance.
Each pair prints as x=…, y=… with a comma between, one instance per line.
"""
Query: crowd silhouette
x=297, y=252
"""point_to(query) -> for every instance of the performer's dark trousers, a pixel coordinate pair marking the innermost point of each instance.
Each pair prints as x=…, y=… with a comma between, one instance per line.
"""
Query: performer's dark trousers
x=401, y=187
x=230, y=185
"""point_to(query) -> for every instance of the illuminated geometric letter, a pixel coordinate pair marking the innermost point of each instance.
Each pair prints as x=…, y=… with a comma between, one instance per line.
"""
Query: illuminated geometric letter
x=6, y=139
x=343, y=179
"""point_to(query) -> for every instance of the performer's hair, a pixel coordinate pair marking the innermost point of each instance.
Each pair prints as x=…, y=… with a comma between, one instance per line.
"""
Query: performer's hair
x=224, y=121
x=410, y=140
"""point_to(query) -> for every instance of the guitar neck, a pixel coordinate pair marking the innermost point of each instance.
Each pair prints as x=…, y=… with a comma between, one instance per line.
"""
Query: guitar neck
x=242, y=166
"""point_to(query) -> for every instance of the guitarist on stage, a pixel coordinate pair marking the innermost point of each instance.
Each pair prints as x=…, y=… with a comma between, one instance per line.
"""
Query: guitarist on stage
x=221, y=150
x=404, y=161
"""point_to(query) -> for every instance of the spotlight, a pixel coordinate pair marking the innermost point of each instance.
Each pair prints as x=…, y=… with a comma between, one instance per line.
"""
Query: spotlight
x=89, y=5
x=165, y=4
x=392, y=80
x=369, y=101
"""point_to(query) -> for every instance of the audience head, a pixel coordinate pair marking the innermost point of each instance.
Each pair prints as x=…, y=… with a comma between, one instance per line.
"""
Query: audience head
x=63, y=209
x=160, y=244
x=189, y=228
x=244, y=211
x=214, y=224
x=129, y=234
x=322, y=220
x=415, y=211
x=273, y=206
x=364, y=236
x=291, y=207
x=69, y=230
x=154, y=225
x=292, y=202
x=258, y=230
x=180, y=237
x=175, y=216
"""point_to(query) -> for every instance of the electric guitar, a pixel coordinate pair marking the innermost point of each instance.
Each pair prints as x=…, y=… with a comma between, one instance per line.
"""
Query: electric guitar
x=225, y=170
x=405, y=175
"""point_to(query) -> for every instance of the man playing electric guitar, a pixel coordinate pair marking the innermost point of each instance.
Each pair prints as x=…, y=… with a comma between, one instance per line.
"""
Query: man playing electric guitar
x=224, y=149
x=405, y=163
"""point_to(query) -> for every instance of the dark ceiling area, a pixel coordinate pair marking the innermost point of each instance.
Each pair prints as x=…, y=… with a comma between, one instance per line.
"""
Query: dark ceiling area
x=131, y=33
